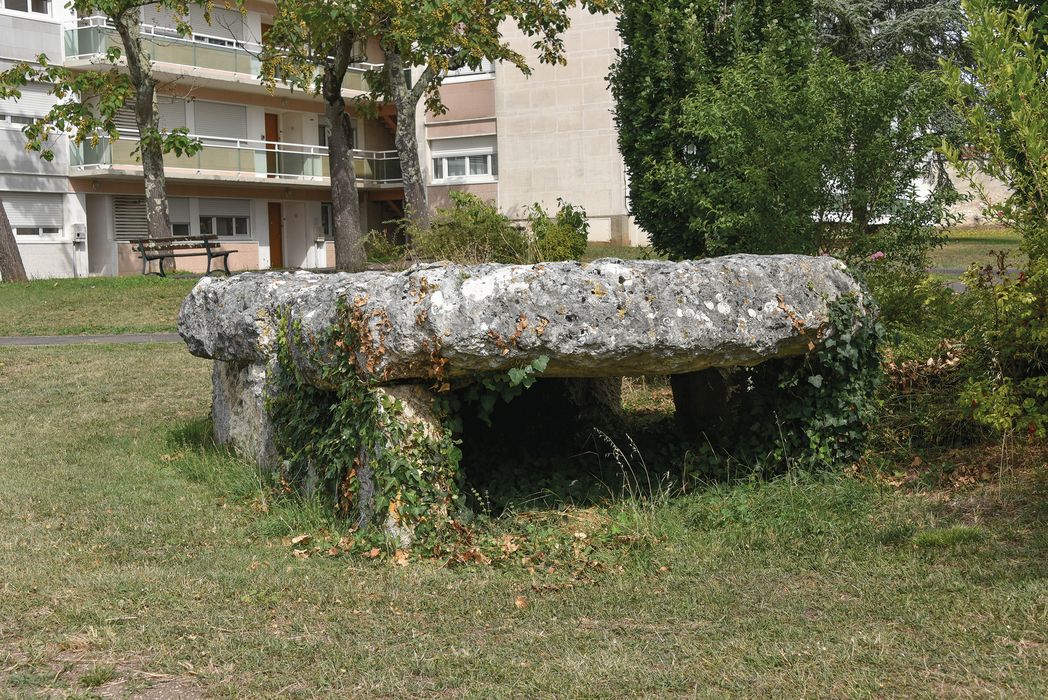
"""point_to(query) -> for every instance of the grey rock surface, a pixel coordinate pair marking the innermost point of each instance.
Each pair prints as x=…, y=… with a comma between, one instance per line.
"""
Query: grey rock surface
x=605, y=318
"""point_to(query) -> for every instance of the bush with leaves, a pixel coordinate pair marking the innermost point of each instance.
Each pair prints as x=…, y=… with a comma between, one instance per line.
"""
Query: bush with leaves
x=785, y=127
x=470, y=231
x=1002, y=98
x=562, y=236
x=1007, y=389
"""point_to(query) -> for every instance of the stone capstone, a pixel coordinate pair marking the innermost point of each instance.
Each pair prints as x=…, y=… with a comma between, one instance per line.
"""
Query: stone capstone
x=600, y=319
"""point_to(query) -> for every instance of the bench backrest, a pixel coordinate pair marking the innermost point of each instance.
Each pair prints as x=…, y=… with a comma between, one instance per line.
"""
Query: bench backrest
x=181, y=243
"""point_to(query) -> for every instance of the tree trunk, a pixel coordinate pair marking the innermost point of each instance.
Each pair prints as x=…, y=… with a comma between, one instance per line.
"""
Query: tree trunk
x=11, y=267
x=148, y=119
x=405, y=99
x=349, y=237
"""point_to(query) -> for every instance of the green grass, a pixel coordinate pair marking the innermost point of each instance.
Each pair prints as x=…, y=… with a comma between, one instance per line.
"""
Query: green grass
x=130, y=544
x=973, y=245
x=94, y=305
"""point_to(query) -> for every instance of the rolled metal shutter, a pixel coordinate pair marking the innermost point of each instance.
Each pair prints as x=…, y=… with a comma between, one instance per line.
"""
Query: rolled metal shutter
x=218, y=119
x=32, y=209
x=34, y=102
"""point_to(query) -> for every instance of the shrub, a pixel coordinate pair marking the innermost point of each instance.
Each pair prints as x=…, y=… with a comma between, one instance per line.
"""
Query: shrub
x=562, y=236
x=965, y=367
x=380, y=249
x=469, y=232
x=1007, y=386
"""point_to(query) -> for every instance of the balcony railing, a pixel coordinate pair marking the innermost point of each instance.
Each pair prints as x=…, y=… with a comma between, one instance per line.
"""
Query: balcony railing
x=264, y=160
x=91, y=37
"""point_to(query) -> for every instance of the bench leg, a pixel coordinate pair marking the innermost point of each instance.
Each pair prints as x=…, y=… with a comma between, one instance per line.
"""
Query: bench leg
x=162, y=267
x=225, y=263
x=145, y=265
x=210, y=257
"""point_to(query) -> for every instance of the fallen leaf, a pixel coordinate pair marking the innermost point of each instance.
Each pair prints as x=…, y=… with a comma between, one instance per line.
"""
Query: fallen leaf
x=521, y=602
x=373, y=553
x=300, y=553
x=301, y=539
x=400, y=557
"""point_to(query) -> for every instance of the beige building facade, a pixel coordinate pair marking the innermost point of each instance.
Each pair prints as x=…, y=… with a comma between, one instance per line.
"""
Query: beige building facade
x=549, y=135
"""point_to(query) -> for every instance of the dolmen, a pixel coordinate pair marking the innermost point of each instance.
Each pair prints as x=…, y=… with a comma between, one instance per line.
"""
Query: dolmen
x=394, y=349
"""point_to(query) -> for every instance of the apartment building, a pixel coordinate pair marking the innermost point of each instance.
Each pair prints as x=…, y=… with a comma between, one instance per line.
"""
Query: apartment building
x=519, y=140
x=261, y=182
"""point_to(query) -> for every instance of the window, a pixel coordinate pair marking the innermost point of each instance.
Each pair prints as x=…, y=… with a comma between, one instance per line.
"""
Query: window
x=180, y=229
x=464, y=168
x=37, y=230
x=327, y=221
x=224, y=226
x=464, y=159
x=12, y=121
x=36, y=7
x=485, y=69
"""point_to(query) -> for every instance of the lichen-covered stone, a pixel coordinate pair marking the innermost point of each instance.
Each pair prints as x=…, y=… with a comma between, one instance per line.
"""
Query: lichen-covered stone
x=238, y=410
x=605, y=318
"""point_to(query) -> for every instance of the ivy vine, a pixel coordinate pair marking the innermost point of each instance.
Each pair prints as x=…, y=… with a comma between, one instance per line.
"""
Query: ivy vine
x=352, y=445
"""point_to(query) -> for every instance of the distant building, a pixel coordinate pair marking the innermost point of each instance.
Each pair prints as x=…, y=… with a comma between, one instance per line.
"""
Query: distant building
x=519, y=140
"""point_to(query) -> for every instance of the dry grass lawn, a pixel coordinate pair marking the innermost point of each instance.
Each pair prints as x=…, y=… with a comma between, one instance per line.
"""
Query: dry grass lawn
x=137, y=561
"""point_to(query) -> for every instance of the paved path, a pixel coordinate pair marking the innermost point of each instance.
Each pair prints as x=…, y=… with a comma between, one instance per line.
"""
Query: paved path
x=137, y=338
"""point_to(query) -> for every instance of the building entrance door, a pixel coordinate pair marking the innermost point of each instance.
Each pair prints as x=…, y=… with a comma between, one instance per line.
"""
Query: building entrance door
x=276, y=235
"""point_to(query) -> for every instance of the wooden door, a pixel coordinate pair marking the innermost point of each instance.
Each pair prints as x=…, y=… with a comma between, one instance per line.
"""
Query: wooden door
x=272, y=136
x=276, y=235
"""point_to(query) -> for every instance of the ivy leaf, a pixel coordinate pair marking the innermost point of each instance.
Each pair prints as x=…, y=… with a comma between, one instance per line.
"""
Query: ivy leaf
x=815, y=380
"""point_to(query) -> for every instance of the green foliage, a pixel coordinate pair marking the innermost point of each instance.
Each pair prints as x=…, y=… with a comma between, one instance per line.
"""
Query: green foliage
x=813, y=412
x=969, y=366
x=1002, y=99
x=1007, y=386
x=380, y=249
x=351, y=444
x=750, y=131
x=487, y=390
x=470, y=231
x=562, y=236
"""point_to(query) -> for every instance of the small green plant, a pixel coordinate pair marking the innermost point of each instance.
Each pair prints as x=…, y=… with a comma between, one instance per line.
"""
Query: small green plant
x=562, y=236
x=487, y=390
x=380, y=249
x=470, y=231
x=948, y=537
x=99, y=675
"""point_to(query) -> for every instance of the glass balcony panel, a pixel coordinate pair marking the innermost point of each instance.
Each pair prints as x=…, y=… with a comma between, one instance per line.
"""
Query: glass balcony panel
x=168, y=51
x=247, y=158
x=224, y=159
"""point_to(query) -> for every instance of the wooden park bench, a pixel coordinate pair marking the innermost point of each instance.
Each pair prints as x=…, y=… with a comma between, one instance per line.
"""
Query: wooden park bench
x=169, y=248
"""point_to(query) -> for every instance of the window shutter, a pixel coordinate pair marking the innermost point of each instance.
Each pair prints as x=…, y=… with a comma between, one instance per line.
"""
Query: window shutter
x=225, y=207
x=216, y=119
x=129, y=218
x=31, y=209
x=35, y=102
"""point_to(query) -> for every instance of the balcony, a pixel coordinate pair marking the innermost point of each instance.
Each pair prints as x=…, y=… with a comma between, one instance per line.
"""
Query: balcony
x=88, y=39
x=243, y=160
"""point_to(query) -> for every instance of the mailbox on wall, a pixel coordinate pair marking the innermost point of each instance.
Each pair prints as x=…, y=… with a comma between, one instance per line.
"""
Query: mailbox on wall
x=79, y=232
